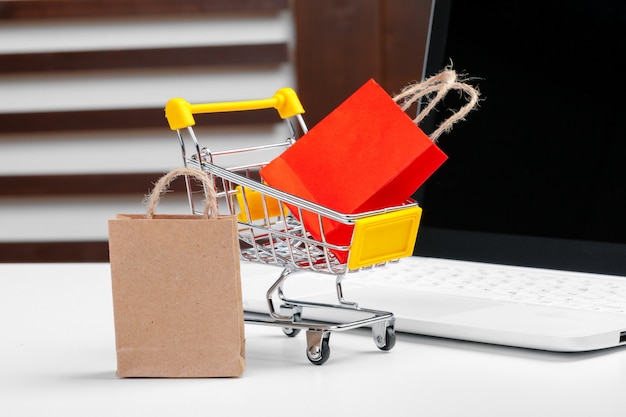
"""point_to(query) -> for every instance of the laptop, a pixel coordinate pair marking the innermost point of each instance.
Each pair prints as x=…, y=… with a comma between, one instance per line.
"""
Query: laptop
x=535, y=308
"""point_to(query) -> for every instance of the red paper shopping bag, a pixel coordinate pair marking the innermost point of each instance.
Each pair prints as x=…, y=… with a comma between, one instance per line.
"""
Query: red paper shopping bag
x=366, y=155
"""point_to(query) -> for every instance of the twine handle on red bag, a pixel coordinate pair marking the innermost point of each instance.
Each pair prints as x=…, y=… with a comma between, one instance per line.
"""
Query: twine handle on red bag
x=162, y=185
x=439, y=85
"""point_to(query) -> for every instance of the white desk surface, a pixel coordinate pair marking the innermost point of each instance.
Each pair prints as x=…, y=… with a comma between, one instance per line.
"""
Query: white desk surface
x=57, y=358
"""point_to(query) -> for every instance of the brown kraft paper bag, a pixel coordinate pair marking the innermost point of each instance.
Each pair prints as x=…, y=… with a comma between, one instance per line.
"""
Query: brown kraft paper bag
x=177, y=291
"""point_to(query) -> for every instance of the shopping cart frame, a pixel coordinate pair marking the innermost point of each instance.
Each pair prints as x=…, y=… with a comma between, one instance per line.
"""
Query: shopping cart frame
x=272, y=230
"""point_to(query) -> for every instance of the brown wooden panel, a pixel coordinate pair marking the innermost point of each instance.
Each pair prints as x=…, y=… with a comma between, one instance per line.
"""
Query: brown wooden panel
x=18, y=252
x=85, y=120
x=343, y=43
x=55, y=251
x=81, y=184
x=261, y=54
x=405, y=32
x=338, y=49
x=54, y=9
x=54, y=185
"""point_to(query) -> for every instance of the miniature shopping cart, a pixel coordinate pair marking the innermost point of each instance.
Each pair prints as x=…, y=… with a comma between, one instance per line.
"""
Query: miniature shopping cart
x=270, y=231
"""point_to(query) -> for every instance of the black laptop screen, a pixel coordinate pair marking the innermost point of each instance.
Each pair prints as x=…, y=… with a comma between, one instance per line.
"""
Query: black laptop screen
x=537, y=175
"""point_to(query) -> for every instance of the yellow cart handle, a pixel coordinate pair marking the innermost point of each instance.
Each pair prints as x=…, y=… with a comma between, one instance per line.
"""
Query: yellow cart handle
x=179, y=112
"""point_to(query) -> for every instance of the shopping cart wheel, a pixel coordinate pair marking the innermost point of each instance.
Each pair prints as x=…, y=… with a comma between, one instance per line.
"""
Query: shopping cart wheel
x=317, y=349
x=290, y=331
x=384, y=336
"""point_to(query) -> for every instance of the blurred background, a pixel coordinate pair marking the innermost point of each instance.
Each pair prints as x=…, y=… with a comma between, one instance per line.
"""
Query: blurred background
x=83, y=84
x=534, y=177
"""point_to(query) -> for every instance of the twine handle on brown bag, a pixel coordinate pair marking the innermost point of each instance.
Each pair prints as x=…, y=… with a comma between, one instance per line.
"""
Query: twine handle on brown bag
x=439, y=84
x=210, y=207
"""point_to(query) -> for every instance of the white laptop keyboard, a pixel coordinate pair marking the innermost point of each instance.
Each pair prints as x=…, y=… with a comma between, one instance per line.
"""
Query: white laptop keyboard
x=503, y=283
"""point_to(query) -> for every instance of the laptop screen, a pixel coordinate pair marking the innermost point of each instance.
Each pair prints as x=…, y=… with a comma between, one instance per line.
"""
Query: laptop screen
x=537, y=175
